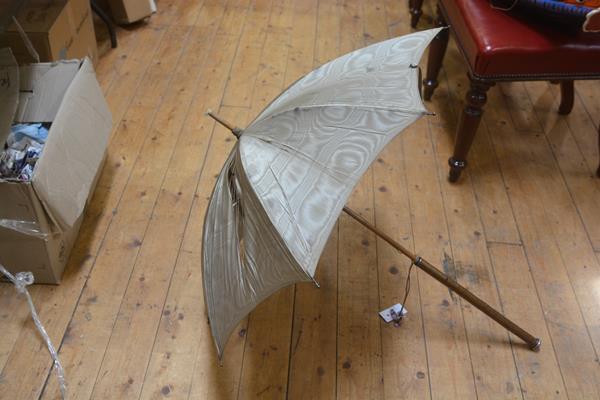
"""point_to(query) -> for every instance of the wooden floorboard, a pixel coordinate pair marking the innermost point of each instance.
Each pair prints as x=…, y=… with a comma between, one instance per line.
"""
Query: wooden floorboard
x=310, y=374
x=521, y=229
x=494, y=367
x=405, y=366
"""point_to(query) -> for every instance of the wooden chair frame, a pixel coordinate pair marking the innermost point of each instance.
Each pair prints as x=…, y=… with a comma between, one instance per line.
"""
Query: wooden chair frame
x=476, y=95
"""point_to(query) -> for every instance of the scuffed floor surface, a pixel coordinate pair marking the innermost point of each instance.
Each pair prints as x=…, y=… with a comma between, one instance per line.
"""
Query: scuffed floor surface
x=521, y=229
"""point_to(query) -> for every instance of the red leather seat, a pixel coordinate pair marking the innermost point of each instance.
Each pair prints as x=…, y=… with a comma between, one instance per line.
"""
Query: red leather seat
x=500, y=47
x=501, y=44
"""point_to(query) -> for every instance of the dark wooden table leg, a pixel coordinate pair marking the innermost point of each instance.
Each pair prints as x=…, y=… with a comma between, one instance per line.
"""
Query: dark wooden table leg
x=467, y=126
x=106, y=19
x=567, y=97
x=437, y=50
x=415, y=10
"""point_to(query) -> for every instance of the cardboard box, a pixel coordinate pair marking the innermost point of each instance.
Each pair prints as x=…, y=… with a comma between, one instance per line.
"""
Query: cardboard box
x=58, y=30
x=128, y=11
x=39, y=220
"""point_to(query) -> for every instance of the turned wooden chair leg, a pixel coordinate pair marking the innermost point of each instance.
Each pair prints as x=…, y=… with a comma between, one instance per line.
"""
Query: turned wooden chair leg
x=467, y=126
x=437, y=50
x=598, y=170
x=415, y=10
x=567, y=97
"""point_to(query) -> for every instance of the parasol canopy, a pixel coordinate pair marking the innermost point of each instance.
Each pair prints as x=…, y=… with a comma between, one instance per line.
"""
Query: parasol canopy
x=288, y=177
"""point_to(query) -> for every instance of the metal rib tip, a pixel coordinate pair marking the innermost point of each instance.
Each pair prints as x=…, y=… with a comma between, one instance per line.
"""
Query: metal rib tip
x=315, y=282
x=237, y=132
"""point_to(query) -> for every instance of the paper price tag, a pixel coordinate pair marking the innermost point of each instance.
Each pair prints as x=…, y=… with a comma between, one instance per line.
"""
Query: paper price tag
x=387, y=313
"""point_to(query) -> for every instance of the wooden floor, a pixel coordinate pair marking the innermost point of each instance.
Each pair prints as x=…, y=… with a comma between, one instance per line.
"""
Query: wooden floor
x=521, y=229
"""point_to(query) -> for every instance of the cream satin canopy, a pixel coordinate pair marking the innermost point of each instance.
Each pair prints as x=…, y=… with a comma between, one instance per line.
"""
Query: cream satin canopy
x=287, y=179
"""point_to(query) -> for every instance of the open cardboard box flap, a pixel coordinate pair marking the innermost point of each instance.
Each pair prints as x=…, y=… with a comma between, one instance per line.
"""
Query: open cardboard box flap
x=9, y=92
x=42, y=89
x=65, y=172
x=67, y=95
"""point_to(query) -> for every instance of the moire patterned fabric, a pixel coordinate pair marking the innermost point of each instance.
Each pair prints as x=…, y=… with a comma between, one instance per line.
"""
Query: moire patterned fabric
x=282, y=188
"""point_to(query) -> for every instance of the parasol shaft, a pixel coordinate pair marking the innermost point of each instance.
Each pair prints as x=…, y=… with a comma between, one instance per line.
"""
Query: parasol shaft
x=533, y=342
x=234, y=129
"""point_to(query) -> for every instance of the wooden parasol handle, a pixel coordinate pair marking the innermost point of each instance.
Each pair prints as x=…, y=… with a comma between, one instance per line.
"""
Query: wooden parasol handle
x=533, y=342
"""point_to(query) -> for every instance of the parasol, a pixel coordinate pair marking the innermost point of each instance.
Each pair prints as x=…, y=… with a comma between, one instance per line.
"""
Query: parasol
x=292, y=169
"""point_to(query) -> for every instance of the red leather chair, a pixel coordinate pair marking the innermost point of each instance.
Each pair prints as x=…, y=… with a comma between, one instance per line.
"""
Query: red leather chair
x=501, y=47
